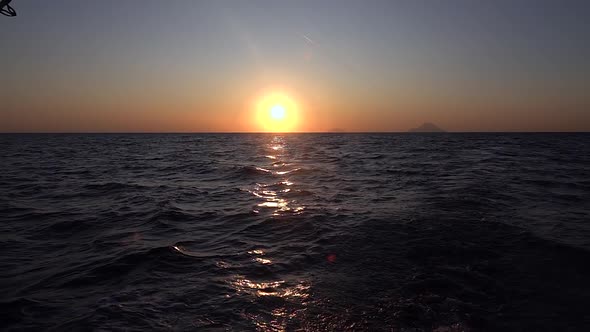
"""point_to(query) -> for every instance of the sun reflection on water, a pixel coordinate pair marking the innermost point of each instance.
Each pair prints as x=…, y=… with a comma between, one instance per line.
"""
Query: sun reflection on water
x=271, y=193
x=291, y=297
x=277, y=288
x=285, y=295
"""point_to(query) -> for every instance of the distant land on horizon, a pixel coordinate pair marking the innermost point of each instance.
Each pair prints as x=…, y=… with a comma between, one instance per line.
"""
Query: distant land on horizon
x=427, y=127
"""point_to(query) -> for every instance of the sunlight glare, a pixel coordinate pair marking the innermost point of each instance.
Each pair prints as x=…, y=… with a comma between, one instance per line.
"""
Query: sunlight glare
x=277, y=112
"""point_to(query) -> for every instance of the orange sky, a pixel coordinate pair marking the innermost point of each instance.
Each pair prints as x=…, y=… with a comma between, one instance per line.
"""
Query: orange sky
x=203, y=67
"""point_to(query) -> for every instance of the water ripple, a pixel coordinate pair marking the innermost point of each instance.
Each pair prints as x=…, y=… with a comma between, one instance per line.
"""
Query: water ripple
x=315, y=232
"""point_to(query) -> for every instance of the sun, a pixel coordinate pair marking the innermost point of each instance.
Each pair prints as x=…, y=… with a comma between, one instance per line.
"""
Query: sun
x=277, y=112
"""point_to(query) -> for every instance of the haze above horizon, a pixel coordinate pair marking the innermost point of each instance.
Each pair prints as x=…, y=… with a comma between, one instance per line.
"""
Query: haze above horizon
x=304, y=66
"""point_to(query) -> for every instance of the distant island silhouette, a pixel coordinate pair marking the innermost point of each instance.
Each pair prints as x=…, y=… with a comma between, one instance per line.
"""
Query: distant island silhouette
x=427, y=127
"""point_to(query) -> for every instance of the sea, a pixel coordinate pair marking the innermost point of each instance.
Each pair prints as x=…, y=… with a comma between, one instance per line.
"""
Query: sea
x=295, y=232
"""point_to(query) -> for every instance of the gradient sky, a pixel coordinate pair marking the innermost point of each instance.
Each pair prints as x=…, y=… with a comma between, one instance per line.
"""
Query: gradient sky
x=176, y=66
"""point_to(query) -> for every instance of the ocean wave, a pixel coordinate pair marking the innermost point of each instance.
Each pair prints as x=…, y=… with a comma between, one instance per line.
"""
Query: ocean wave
x=111, y=187
x=335, y=232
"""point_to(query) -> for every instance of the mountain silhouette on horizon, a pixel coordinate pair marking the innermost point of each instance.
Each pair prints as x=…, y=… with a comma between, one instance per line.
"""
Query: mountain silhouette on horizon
x=427, y=127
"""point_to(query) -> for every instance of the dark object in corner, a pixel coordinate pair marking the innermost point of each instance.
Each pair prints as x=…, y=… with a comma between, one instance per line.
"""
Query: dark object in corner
x=5, y=8
x=427, y=127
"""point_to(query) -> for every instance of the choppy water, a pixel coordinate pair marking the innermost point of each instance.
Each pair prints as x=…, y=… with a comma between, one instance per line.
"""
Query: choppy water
x=316, y=232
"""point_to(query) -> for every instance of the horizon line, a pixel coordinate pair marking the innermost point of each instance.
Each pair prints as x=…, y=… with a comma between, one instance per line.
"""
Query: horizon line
x=292, y=132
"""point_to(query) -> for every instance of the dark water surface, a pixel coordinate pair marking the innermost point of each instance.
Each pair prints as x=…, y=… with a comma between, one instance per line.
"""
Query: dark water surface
x=315, y=232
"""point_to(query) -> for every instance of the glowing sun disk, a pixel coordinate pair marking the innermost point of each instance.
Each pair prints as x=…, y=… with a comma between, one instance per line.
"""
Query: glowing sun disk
x=277, y=112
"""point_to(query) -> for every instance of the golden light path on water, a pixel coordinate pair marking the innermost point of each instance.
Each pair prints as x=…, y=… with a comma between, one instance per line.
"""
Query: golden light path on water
x=272, y=198
x=286, y=295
